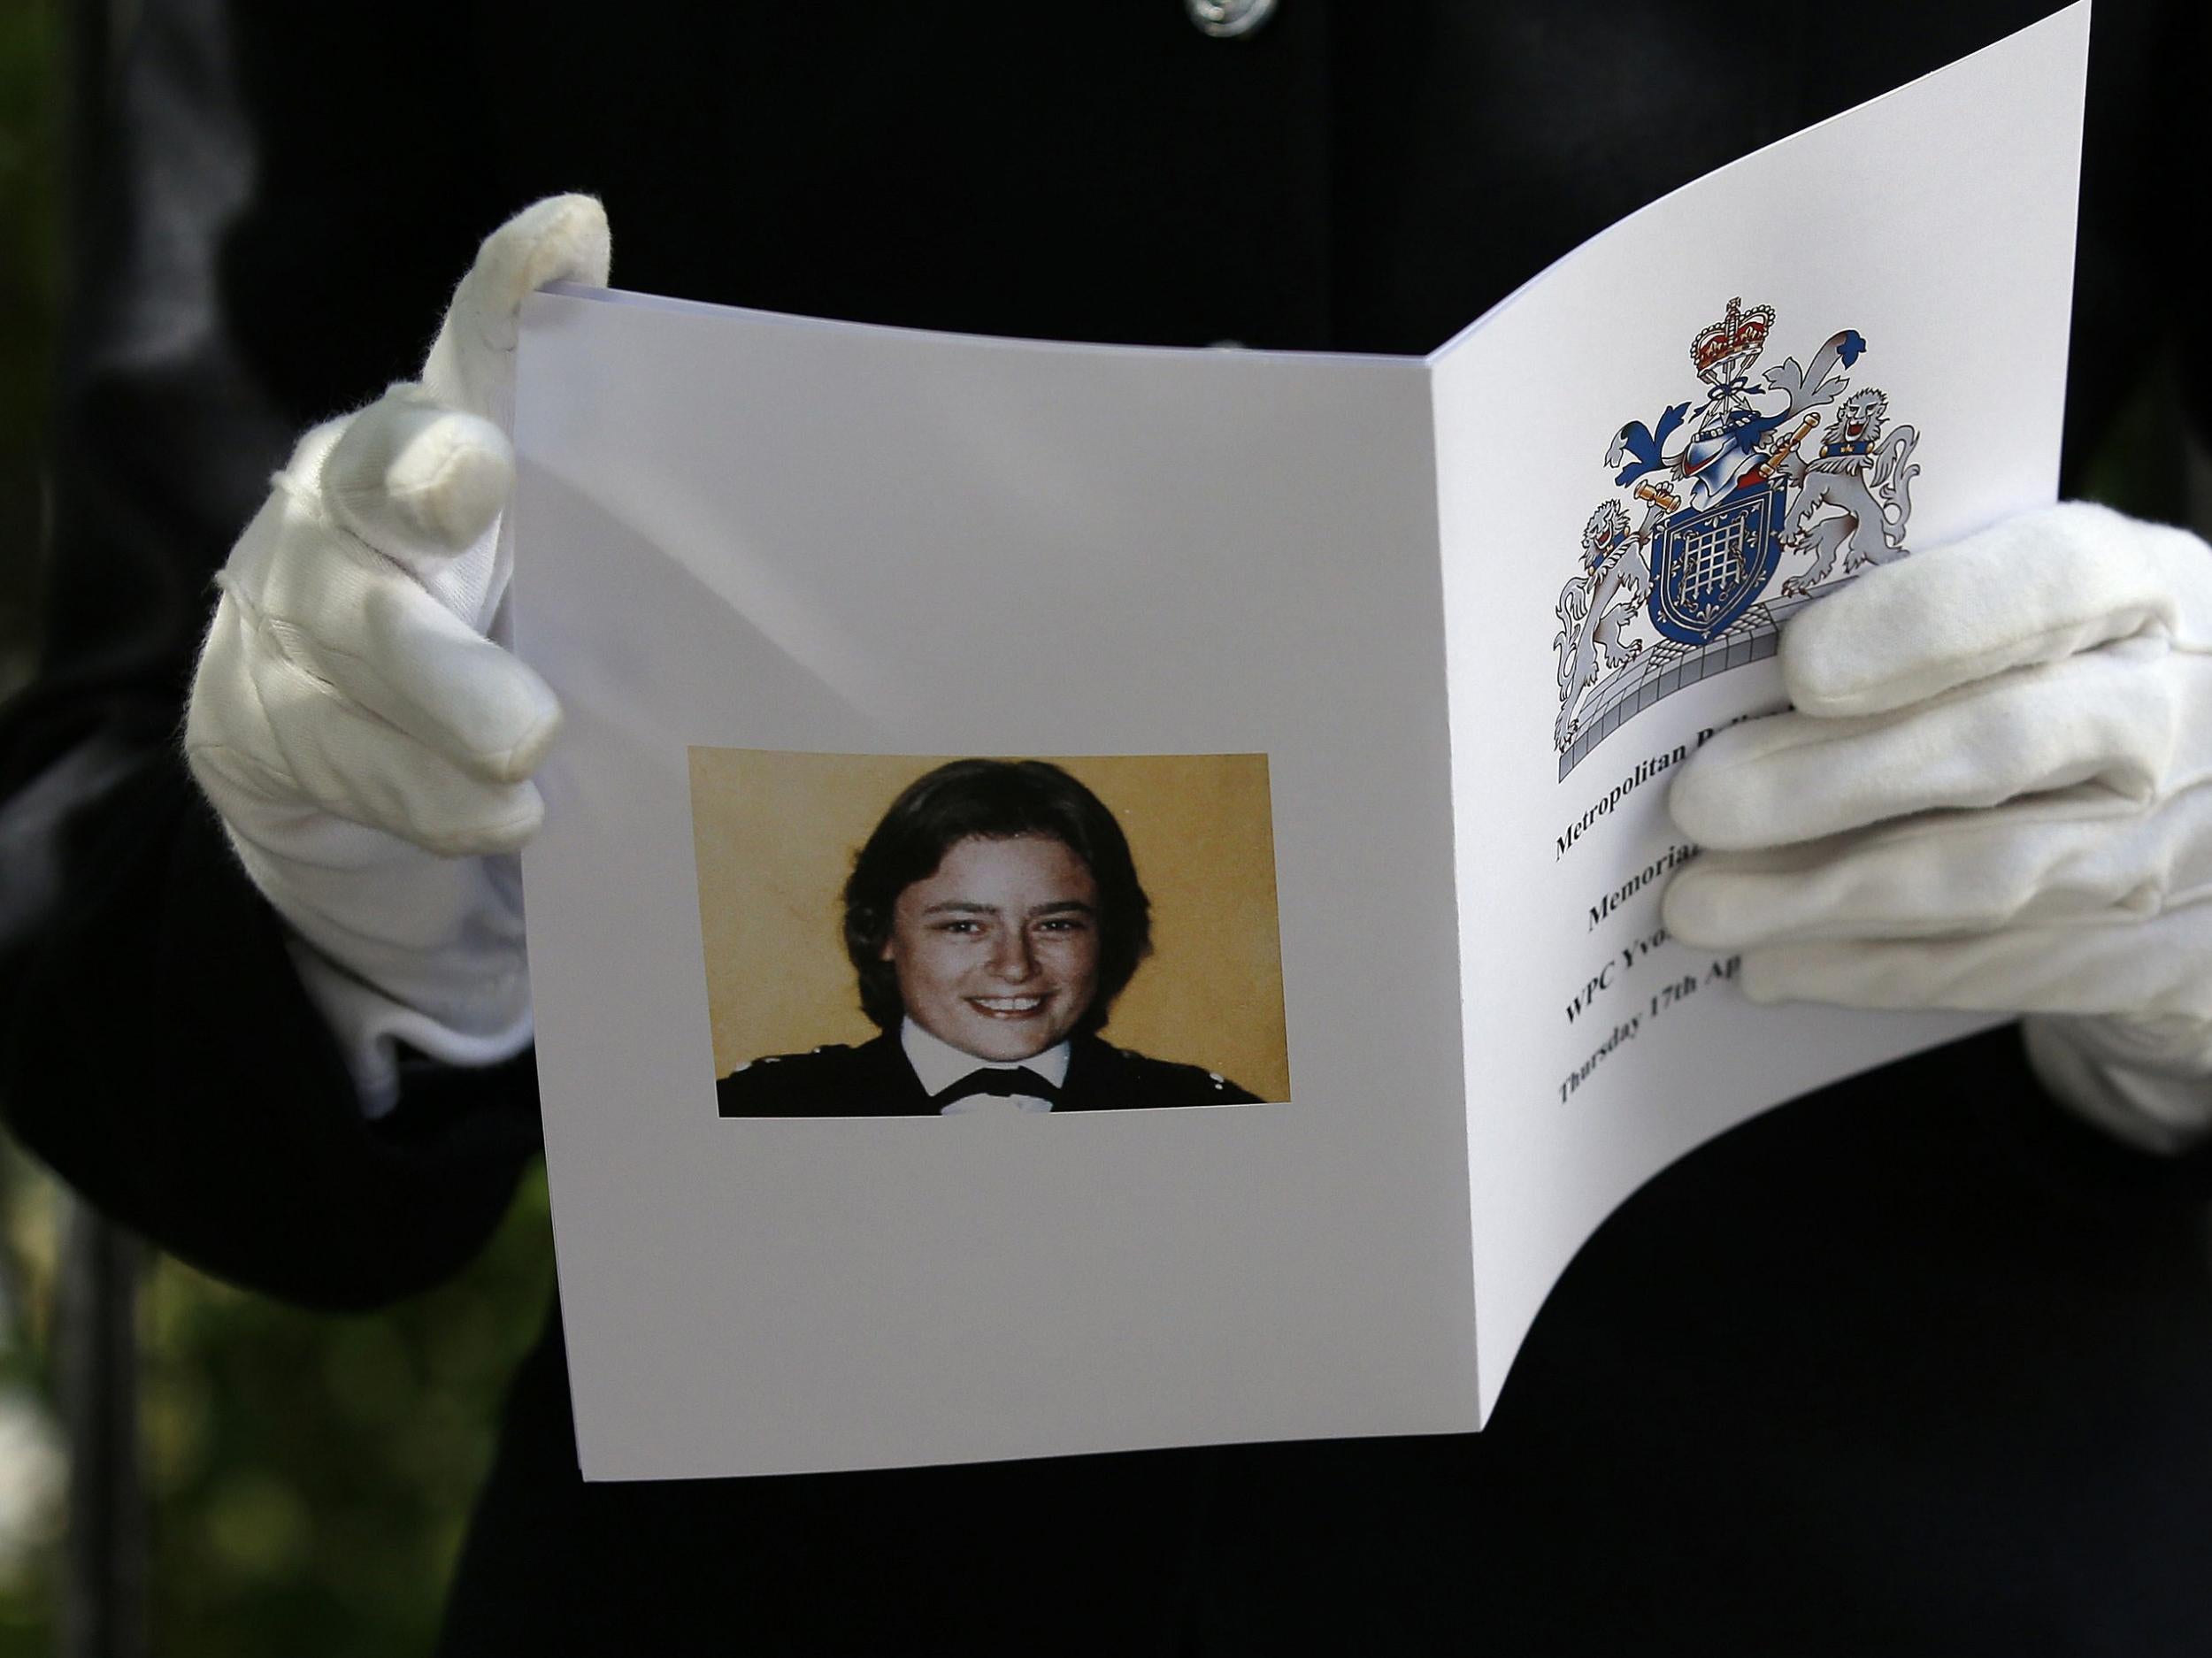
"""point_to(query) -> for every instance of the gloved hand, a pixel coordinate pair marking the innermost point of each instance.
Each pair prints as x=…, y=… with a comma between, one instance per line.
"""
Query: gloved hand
x=354, y=718
x=1994, y=792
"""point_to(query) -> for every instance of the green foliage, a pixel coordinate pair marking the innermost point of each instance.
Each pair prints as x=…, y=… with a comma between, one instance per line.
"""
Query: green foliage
x=311, y=1475
x=33, y=1464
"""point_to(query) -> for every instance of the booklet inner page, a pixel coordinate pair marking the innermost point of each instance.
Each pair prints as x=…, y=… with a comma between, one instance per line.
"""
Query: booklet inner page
x=1847, y=349
x=804, y=589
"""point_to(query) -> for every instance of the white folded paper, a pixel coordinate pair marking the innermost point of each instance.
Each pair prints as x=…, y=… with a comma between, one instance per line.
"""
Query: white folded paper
x=1469, y=609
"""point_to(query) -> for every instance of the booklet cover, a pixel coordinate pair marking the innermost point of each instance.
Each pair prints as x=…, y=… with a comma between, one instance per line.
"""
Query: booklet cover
x=1095, y=897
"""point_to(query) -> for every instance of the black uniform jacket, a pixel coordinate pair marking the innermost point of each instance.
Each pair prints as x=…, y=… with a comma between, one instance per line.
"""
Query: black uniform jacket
x=1912, y=1366
x=874, y=1079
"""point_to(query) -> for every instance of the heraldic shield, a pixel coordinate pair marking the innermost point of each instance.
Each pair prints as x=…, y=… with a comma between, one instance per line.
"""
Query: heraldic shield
x=1714, y=562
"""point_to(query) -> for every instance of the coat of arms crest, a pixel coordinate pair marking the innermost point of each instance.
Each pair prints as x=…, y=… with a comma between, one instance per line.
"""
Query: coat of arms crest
x=1724, y=494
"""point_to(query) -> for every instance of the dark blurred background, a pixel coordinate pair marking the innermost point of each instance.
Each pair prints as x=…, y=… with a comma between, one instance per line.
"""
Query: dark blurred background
x=184, y=1467
x=244, y=1479
x=32, y=1458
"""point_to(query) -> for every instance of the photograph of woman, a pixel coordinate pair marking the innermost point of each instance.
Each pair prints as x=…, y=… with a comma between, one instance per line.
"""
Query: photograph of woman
x=992, y=919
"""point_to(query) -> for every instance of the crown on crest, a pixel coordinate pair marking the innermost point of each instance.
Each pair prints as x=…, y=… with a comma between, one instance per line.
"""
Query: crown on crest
x=1740, y=335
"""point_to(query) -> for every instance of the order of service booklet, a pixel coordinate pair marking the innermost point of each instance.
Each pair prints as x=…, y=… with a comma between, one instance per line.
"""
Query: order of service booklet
x=1096, y=898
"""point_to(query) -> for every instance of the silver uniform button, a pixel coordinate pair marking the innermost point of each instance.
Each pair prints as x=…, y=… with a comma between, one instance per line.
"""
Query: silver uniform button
x=1225, y=19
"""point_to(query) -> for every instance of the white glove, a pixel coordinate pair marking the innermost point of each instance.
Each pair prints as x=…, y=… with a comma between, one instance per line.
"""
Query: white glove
x=1996, y=793
x=366, y=742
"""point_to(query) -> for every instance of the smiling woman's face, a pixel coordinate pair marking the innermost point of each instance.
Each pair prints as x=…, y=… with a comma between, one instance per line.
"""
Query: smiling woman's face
x=996, y=952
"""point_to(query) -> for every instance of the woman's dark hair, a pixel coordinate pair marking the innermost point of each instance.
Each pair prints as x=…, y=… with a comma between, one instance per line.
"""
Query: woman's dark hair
x=992, y=799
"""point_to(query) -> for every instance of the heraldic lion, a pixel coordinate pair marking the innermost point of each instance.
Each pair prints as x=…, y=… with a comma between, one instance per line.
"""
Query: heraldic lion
x=1868, y=484
x=1593, y=606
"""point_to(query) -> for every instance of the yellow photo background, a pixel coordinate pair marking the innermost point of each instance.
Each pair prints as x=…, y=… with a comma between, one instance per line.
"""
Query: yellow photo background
x=775, y=833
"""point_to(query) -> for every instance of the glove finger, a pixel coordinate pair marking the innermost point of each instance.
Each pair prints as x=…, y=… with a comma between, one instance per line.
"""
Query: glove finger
x=2033, y=589
x=2159, y=1110
x=351, y=620
x=323, y=752
x=2067, y=860
x=417, y=481
x=2158, y=969
x=2104, y=717
x=472, y=363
